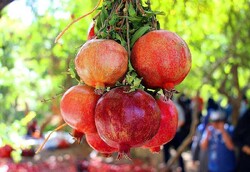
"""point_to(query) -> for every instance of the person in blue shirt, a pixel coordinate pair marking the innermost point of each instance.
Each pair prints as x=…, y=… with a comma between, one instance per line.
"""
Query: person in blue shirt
x=217, y=140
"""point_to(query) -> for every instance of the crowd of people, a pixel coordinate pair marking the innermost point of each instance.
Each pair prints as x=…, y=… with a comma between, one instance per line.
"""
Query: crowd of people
x=217, y=145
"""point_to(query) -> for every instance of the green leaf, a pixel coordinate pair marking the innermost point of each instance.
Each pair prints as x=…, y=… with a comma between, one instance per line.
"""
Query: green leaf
x=118, y=37
x=152, y=13
x=135, y=19
x=104, y=15
x=113, y=20
x=137, y=82
x=72, y=69
x=141, y=31
x=131, y=10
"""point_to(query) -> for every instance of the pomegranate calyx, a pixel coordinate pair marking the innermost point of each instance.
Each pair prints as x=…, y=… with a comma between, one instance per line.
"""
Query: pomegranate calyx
x=124, y=155
x=77, y=136
x=106, y=155
x=100, y=88
x=124, y=152
x=100, y=91
x=168, y=94
x=155, y=149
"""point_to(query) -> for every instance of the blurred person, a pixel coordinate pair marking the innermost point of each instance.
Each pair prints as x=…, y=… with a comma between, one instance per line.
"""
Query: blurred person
x=177, y=140
x=32, y=128
x=197, y=153
x=211, y=106
x=228, y=111
x=185, y=103
x=241, y=138
x=217, y=140
x=243, y=106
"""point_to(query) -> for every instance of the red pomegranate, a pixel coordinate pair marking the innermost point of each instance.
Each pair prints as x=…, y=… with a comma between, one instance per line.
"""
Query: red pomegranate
x=91, y=31
x=78, y=107
x=162, y=58
x=5, y=151
x=101, y=62
x=168, y=125
x=126, y=119
x=95, y=141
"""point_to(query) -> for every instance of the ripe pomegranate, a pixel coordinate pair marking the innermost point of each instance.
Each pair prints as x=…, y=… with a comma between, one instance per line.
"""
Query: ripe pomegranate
x=78, y=106
x=162, y=58
x=28, y=152
x=95, y=141
x=168, y=125
x=91, y=31
x=101, y=62
x=5, y=151
x=126, y=119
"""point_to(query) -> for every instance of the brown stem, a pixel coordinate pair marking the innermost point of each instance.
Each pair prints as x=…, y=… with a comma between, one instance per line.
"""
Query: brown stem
x=138, y=4
x=76, y=20
x=127, y=24
x=47, y=138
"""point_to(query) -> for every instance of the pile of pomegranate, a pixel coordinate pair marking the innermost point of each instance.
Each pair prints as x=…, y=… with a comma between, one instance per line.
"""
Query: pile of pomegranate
x=123, y=99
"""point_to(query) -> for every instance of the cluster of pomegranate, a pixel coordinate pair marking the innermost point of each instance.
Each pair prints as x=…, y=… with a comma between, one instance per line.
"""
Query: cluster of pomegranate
x=119, y=118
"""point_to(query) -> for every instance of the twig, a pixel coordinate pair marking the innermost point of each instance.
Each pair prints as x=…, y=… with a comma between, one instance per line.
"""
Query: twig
x=47, y=138
x=52, y=98
x=76, y=20
x=127, y=24
x=138, y=4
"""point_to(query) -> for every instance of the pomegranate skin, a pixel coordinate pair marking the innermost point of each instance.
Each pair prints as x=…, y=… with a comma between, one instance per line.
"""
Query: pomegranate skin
x=91, y=31
x=95, y=141
x=78, y=108
x=168, y=125
x=126, y=119
x=162, y=58
x=101, y=62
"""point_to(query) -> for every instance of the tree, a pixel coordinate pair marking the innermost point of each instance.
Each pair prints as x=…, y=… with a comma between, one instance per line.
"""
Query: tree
x=217, y=34
x=4, y=3
x=33, y=67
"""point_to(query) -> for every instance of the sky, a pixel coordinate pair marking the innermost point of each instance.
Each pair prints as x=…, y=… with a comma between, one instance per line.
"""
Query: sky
x=19, y=10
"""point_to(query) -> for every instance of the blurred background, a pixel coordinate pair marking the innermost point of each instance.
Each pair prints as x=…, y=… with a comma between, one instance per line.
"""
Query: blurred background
x=34, y=73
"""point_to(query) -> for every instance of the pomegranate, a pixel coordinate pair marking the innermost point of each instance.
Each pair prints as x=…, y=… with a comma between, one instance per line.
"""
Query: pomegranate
x=101, y=62
x=5, y=151
x=28, y=152
x=95, y=141
x=161, y=58
x=168, y=125
x=78, y=106
x=126, y=119
x=91, y=31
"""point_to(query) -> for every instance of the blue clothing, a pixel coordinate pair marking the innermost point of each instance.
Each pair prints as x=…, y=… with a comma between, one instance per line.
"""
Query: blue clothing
x=220, y=157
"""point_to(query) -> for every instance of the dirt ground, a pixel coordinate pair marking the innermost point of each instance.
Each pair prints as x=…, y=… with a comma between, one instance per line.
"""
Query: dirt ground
x=83, y=151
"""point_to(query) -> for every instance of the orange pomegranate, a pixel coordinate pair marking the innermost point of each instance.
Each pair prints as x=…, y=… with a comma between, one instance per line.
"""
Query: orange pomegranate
x=101, y=62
